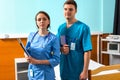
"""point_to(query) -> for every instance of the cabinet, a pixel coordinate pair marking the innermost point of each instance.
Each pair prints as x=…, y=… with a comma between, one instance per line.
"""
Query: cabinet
x=114, y=57
x=21, y=67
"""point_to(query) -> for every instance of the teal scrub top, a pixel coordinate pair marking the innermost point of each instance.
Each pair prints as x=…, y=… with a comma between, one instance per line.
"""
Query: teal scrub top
x=71, y=65
x=43, y=48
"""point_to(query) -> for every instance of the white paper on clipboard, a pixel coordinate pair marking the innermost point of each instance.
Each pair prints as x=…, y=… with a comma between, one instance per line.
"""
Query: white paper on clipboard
x=22, y=45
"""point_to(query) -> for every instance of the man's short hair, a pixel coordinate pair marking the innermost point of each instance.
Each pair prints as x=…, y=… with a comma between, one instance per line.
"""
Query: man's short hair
x=71, y=2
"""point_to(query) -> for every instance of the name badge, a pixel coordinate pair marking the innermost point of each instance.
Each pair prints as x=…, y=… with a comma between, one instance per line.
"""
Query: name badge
x=31, y=72
x=72, y=46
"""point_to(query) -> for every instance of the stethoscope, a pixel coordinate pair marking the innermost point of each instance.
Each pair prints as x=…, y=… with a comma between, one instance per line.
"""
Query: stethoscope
x=29, y=43
x=33, y=37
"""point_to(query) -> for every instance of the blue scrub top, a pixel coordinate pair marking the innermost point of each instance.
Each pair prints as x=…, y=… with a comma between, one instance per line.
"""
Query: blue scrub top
x=43, y=48
x=71, y=65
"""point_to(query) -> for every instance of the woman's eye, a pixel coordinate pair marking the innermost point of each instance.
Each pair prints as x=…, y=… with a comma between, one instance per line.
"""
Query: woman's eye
x=39, y=19
x=43, y=19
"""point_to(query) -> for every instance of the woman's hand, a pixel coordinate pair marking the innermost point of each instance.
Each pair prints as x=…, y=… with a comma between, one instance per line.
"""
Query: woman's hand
x=32, y=60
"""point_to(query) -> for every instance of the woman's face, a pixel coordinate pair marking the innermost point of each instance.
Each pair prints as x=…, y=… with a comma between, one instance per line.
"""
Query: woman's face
x=42, y=21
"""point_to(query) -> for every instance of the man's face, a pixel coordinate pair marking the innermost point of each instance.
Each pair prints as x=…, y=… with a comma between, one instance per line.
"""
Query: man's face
x=69, y=11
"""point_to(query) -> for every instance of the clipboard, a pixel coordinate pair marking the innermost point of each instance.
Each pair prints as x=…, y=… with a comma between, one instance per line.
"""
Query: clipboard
x=23, y=47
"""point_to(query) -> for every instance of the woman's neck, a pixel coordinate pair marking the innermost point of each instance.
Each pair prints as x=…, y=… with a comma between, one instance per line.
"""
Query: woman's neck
x=43, y=32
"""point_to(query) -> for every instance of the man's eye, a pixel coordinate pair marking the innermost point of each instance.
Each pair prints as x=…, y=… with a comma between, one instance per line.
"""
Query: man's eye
x=44, y=19
x=65, y=9
x=70, y=9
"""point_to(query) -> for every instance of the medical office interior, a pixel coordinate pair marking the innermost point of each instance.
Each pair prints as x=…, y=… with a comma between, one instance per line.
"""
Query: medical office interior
x=17, y=21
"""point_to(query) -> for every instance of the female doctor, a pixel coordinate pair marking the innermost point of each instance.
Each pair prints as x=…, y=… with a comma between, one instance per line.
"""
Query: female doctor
x=44, y=50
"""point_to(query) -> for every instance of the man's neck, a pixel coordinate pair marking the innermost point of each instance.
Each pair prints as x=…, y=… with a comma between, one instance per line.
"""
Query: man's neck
x=70, y=22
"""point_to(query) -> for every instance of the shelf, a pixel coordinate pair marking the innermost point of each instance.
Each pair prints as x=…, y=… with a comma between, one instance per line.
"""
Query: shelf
x=114, y=57
x=106, y=52
x=20, y=60
x=24, y=71
x=22, y=76
x=21, y=69
x=111, y=40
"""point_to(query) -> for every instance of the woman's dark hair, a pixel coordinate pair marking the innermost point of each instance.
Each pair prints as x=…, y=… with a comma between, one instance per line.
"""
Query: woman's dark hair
x=46, y=14
x=71, y=2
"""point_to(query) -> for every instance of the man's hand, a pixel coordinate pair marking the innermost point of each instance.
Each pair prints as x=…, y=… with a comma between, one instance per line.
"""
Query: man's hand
x=65, y=49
